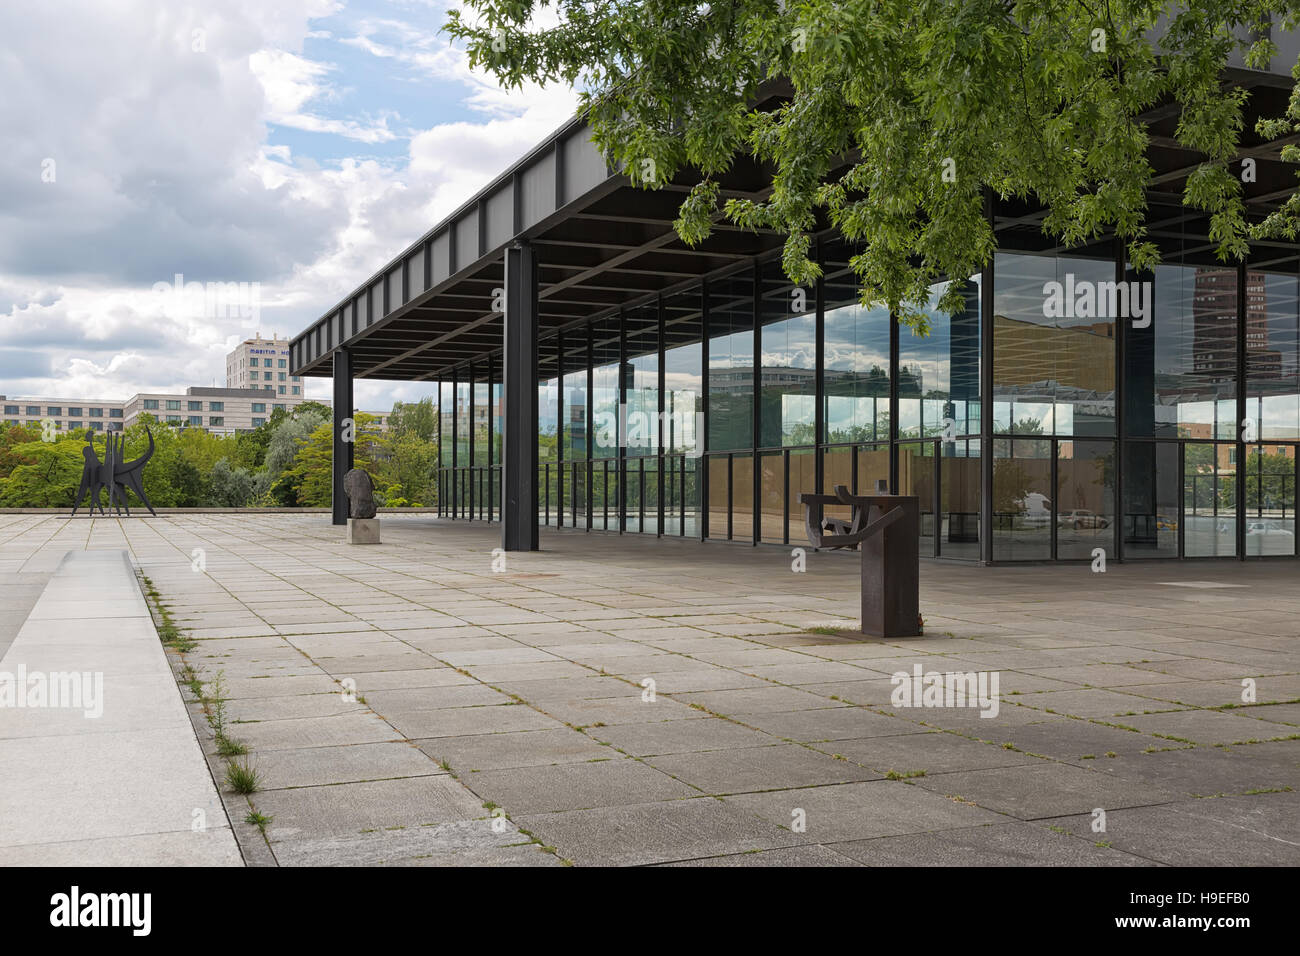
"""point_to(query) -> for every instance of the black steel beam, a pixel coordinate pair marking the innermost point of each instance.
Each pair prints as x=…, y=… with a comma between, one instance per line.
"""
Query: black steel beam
x=519, y=385
x=344, y=433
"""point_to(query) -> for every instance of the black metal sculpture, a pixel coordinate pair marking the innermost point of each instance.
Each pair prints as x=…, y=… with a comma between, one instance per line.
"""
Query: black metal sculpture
x=886, y=527
x=360, y=489
x=113, y=475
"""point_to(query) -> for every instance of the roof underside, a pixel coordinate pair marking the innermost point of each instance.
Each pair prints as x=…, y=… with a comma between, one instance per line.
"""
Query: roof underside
x=603, y=244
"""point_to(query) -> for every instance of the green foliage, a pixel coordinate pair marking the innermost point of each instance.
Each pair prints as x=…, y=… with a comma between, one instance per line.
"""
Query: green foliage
x=43, y=474
x=416, y=419
x=284, y=462
x=310, y=474
x=230, y=487
x=897, y=117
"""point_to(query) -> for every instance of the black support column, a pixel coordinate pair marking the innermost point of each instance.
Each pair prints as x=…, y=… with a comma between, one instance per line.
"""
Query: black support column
x=519, y=385
x=343, y=427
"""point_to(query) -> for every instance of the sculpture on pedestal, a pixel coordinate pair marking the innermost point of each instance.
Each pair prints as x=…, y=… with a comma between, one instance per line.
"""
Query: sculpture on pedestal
x=886, y=528
x=112, y=475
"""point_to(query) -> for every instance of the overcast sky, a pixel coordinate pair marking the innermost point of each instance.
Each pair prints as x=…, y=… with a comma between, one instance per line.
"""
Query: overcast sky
x=296, y=144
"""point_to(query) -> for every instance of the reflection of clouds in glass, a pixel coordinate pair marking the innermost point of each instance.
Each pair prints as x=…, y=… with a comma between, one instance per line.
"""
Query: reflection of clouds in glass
x=851, y=358
x=786, y=359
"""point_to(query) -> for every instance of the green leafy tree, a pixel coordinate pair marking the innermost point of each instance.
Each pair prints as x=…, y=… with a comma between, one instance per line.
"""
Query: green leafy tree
x=307, y=483
x=419, y=419
x=408, y=470
x=10, y=437
x=288, y=433
x=230, y=487
x=891, y=118
x=46, y=474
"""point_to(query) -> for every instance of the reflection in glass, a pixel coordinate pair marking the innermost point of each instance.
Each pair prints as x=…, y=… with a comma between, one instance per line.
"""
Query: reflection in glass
x=1085, y=498
x=1180, y=373
x=856, y=357
x=788, y=388
x=959, y=487
x=939, y=373
x=1209, y=500
x=1270, y=500
x=1022, y=502
x=1273, y=353
x=1054, y=344
x=731, y=362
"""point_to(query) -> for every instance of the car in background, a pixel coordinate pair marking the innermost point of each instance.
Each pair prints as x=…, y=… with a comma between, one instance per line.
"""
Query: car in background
x=1270, y=528
x=1080, y=519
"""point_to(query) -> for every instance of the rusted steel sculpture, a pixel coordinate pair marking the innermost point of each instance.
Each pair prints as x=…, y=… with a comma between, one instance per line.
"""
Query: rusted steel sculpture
x=112, y=475
x=886, y=528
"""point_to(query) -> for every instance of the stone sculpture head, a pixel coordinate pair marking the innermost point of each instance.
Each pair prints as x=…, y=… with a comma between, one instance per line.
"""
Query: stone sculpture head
x=361, y=493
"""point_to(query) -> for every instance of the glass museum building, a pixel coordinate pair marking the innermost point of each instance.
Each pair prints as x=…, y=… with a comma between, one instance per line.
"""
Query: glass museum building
x=597, y=374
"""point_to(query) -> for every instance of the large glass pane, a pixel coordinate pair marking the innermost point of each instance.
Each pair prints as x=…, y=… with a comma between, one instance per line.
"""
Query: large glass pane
x=604, y=485
x=683, y=380
x=574, y=366
x=916, y=476
x=1022, y=503
x=1085, y=498
x=575, y=395
x=1273, y=352
x=742, y=498
x=1152, y=502
x=604, y=383
x=731, y=362
x=692, y=496
x=719, y=495
x=959, y=489
x=482, y=422
x=939, y=372
x=856, y=357
x=634, y=498
x=1181, y=369
x=642, y=381
x=1210, y=499
x=1054, y=343
x=1270, y=499
x=548, y=401
x=803, y=477
x=787, y=414
x=837, y=469
x=446, y=406
x=463, y=429
x=772, y=491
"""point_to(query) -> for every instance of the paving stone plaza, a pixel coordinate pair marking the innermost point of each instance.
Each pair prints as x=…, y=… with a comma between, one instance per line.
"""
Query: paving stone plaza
x=633, y=701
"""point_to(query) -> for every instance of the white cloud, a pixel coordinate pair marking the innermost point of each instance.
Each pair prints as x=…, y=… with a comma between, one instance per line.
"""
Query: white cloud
x=164, y=165
x=290, y=82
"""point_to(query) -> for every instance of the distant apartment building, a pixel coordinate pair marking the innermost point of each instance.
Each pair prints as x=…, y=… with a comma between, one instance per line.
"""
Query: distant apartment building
x=98, y=414
x=257, y=383
x=263, y=364
x=222, y=411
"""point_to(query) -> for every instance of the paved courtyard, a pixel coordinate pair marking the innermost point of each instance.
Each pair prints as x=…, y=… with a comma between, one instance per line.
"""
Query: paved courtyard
x=638, y=701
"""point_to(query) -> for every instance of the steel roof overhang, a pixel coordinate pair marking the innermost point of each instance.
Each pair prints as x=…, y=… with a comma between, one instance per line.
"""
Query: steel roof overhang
x=603, y=244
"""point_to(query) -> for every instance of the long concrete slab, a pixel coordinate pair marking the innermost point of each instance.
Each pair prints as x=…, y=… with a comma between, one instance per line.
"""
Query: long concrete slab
x=99, y=765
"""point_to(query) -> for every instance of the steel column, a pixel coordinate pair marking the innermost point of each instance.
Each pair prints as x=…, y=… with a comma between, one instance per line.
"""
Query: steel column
x=519, y=385
x=344, y=433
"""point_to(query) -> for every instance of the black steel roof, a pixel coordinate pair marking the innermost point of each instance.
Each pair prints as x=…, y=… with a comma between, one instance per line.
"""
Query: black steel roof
x=603, y=244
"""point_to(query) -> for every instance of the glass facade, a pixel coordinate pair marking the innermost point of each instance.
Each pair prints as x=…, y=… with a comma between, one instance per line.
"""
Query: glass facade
x=1069, y=405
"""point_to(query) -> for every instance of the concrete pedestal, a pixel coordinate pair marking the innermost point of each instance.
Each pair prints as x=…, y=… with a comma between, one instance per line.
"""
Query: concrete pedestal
x=363, y=531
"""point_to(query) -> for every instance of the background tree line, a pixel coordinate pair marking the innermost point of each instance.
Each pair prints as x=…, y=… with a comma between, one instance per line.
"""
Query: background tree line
x=283, y=463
